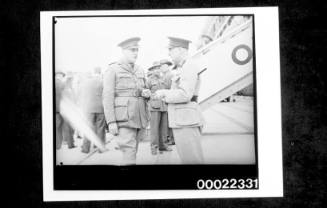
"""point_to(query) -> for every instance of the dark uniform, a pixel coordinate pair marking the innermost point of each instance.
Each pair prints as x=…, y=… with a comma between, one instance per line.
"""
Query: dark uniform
x=158, y=109
x=165, y=67
x=65, y=92
x=59, y=86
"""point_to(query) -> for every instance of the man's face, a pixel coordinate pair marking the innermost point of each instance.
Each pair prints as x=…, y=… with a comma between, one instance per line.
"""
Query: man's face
x=206, y=40
x=164, y=67
x=97, y=70
x=202, y=41
x=156, y=70
x=130, y=54
x=59, y=76
x=175, y=54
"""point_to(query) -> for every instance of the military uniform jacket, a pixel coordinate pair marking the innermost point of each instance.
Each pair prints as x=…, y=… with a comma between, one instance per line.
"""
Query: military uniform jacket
x=68, y=92
x=154, y=83
x=122, y=101
x=185, y=84
x=59, y=88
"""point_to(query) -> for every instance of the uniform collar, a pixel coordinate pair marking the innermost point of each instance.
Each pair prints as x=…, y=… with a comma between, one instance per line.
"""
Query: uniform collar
x=180, y=65
x=127, y=66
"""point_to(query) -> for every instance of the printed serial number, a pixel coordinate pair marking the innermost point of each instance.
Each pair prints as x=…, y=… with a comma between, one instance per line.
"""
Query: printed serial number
x=227, y=184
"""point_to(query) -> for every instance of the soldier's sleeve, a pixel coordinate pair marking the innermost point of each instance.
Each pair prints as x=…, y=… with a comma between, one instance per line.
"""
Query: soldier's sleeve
x=168, y=80
x=145, y=80
x=187, y=83
x=108, y=94
x=148, y=83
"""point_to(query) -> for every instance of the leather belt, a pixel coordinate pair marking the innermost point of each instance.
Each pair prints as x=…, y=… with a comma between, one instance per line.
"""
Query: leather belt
x=131, y=93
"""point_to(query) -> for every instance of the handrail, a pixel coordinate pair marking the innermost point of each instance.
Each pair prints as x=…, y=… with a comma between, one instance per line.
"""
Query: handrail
x=234, y=31
x=223, y=27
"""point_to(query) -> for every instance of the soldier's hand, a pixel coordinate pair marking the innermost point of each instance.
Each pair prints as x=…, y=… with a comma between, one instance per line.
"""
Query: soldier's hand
x=113, y=128
x=159, y=94
x=146, y=93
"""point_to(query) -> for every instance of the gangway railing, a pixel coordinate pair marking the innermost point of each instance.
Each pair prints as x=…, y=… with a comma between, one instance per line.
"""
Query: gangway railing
x=229, y=90
x=224, y=78
x=223, y=26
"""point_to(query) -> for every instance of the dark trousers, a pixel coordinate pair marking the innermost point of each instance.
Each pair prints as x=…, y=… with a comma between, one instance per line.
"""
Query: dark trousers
x=63, y=132
x=98, y=125
x=171, y=135
x=158, y=128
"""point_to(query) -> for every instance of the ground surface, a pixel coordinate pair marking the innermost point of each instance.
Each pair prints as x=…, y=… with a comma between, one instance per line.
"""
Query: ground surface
x=227, y=139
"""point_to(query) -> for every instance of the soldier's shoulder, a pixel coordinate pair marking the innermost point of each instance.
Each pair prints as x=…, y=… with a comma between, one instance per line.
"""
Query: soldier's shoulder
x=113, y=66
x=190, y=62
x=191, y=65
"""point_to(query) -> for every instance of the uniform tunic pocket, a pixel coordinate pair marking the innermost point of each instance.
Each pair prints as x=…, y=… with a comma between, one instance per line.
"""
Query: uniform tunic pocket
x=124, y=81
x=121, y=108
x=187, y=116
x=156, y=104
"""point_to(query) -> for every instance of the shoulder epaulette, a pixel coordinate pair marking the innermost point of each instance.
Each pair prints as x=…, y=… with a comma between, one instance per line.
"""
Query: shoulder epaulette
x=112, y=63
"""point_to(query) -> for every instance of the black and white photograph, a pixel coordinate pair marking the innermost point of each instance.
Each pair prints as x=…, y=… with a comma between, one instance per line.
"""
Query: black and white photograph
x=161, y=100
x=162, y=97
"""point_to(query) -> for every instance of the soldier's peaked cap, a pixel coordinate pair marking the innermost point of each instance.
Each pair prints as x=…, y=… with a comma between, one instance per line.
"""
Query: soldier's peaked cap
x=154, y=65
x=178, y=42
x=60, y=72
x=130, y=43
x=165, y=61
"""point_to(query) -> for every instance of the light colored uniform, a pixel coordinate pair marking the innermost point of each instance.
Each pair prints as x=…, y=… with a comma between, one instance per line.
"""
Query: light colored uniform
x=184, y=115
x=123, y=104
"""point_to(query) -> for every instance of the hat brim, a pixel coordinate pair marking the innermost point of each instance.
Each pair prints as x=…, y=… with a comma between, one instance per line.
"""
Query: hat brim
x=132, y=47
x=131, y=42
x=207, y=36
x=167, y=62
x=152, y=67
x=59, y=72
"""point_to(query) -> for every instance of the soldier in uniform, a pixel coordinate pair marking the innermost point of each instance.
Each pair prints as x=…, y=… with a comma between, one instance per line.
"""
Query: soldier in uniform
x=184, y=114
x=204, y=39
x=90, y=98
x=165, y=68
x=158, y=109
x=124, y=101
x=59, y=85
x=69, y=94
